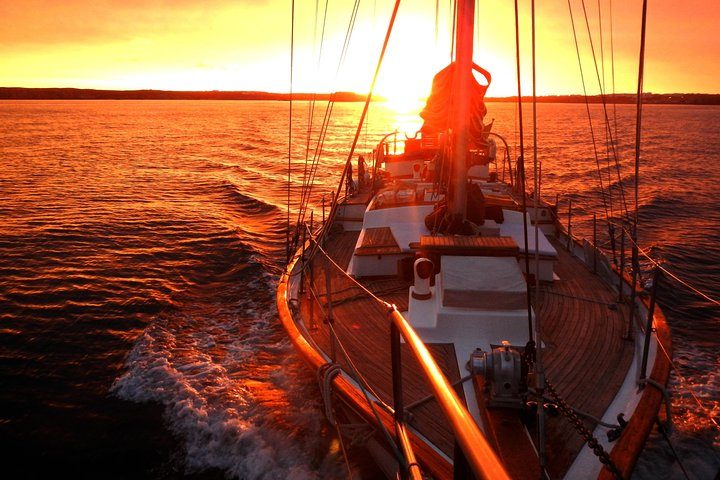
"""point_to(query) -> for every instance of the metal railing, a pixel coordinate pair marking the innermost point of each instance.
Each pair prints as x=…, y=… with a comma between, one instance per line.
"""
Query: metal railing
x=626, y=283
x=473, y=452
x=478, y=454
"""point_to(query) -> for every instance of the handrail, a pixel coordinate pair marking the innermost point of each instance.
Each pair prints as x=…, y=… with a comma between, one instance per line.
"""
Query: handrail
x=507, y=158
x=411, y=470
x=480, y=456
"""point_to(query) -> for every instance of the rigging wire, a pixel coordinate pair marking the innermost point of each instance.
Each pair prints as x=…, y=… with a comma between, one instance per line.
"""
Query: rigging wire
x=312, y=103
x=638, y=130
x=344, y=450
x=452, y=41
x=351, y=278
x=675, y=368
x=587, y=108
x=348, y=37
x=682, y=282
x=608, y=132
x=612, y=63
x=477, y=28
x=611, y=228
x=604, y=105
x=354, y=373
x=602, y=44
x=665, y=435
x=362, y=381
x=311, y=113
x=686, y=384
x=290, y=122
x=638, y=122
x=437, y=20
x=326, y=119
x=536, y=178
x=536, y=197
x=333, y=209
x=632, y=235
x=363, y=384
x=521, y=168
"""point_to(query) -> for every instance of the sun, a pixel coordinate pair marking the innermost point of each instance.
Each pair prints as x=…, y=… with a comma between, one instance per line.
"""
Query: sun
x=404, y=109
x=405, y=87
x=403, y=100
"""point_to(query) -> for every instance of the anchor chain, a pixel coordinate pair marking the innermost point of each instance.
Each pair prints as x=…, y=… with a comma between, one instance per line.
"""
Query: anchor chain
x=586, y=434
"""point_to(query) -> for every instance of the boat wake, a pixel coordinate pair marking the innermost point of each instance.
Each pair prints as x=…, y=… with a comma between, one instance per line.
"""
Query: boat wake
x=233, y=392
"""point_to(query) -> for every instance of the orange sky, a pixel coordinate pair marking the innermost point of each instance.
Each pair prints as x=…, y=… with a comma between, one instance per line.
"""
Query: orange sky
x=244, y=45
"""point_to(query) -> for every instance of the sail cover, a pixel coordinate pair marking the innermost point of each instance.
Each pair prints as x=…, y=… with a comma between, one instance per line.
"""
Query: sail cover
x=437, y=114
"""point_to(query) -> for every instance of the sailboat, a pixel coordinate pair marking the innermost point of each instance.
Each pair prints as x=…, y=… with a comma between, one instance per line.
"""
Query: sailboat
x=457, y=328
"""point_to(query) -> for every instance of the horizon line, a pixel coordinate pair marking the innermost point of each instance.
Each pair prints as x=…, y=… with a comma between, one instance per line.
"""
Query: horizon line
x=74, y=93
x=363, y=94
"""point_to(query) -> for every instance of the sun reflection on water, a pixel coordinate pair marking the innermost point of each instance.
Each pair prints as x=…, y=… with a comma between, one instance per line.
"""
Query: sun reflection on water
x=404, y=114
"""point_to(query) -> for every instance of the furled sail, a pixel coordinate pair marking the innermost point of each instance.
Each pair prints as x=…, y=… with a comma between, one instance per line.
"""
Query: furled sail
x=437, y=113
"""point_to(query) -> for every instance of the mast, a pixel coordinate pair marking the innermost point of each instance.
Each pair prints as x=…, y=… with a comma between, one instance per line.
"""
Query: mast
x=457, y=203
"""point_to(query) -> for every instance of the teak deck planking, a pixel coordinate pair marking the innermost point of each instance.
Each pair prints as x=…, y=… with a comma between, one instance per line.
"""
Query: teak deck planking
x=362, y=326
x=585, y=356
x=378, y=241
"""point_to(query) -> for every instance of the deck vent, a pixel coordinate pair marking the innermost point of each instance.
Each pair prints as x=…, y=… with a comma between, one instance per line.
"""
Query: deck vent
x=423, y=271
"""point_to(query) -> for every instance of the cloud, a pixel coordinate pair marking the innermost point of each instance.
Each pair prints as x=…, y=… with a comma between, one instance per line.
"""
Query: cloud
x=186, y=44
x=51, y=22
x=146, y=42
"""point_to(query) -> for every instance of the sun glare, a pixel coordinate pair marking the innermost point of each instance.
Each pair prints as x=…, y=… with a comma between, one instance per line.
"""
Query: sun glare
x=245, y=46
x=403, y=99
x=406, y=115
x=404, y=94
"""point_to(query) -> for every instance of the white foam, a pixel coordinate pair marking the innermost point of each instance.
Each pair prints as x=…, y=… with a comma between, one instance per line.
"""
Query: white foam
x=234, y=393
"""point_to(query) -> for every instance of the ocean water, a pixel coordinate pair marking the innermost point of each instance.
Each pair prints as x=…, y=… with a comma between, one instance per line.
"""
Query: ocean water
x=140, y=246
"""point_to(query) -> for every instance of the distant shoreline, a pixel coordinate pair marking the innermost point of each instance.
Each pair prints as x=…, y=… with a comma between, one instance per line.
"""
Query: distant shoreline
x=625, y=98
x=19, y=93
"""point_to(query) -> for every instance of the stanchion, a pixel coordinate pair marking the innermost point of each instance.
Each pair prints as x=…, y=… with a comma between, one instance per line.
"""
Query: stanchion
x=648, y=325
x=329, y=313
x=569, y=228
x=621, y=273
x=595, y=247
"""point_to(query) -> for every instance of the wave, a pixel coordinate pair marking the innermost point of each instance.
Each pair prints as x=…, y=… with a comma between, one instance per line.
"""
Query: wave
x=250, y=205
x=661, y=205
x=232, y=391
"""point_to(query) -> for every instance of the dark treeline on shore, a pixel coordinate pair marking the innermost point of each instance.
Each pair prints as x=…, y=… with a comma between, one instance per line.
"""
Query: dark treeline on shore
x=625, y=98
x=17, y=93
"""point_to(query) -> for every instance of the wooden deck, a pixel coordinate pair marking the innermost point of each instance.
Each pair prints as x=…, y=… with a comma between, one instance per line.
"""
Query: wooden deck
x=378, y=241
x=468, y=246
x=362, y=327
x=585, y=356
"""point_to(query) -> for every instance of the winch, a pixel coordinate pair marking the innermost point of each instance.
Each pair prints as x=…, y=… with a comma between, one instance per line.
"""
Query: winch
x=504, y=374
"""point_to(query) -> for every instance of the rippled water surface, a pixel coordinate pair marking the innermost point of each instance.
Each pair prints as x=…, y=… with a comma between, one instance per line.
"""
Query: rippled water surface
x=140, y=244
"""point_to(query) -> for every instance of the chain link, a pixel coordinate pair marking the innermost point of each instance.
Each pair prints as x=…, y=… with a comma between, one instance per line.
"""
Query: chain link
x=586, y=434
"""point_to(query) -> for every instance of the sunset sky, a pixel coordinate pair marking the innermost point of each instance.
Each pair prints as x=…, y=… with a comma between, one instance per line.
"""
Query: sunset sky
x=244, y=45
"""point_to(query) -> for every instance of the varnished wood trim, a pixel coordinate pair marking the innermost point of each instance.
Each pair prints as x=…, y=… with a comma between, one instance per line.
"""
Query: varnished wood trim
x=628, y=447
x=432, y=462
